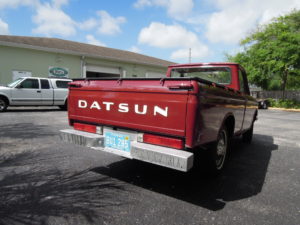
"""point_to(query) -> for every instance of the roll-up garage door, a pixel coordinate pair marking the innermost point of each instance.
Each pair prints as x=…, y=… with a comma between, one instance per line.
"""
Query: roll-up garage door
x=151, y=74
x=102, y=71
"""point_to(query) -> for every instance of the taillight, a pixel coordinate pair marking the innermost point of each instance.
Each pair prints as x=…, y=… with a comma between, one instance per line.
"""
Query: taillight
x=88, y=128
x=163, y=141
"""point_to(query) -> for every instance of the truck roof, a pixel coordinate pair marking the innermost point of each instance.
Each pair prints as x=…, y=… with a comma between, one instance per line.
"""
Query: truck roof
x=50, y=78
x=205, y=64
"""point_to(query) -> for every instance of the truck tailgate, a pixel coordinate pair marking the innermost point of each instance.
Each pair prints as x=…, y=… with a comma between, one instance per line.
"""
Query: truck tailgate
x=144, y=105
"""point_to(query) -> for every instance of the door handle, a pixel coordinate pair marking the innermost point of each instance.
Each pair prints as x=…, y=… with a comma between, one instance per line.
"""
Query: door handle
x=181, y=87
x=38, y=91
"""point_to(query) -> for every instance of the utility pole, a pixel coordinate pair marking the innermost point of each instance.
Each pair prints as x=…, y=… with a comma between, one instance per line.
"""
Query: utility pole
x=190, y=55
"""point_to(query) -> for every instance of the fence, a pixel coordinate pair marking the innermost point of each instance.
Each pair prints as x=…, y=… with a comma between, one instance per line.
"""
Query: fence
x=292, y=95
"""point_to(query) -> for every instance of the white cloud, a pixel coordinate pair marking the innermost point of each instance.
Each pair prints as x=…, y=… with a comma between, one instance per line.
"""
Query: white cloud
x=142, y=3
x=135, y=49
x=166, y=36
x=52, y=20
x=224, y=27
x=104, y=23
x=177, y=9
x=49, y=17
x=175, y=37
x=17, y=3
x=93, y=41
x=109, y=25
x=3, y=28
x=180, y=8
x=198, y=52
x=230, y=21
x=235, y=18
x=88, y=24
x=59, y=3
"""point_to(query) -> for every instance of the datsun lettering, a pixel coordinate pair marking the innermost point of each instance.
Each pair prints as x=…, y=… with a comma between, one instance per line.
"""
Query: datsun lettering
x=164, y=121
x=123, y=107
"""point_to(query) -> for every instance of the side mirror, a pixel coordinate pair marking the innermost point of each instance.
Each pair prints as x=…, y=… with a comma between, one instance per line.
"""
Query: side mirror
x=18, y=86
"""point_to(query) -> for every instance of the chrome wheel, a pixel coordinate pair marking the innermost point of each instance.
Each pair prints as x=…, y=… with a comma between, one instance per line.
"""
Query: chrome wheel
x=221, y=149
x=3, y=105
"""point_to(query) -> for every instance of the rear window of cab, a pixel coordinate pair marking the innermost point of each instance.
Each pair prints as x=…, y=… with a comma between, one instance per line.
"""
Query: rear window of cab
x=220, y=75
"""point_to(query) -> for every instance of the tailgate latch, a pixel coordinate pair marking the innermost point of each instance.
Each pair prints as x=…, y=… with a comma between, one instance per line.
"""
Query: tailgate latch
x=181, y=87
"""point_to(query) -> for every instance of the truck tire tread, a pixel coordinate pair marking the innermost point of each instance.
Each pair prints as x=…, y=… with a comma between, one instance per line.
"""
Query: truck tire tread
x=218, y=152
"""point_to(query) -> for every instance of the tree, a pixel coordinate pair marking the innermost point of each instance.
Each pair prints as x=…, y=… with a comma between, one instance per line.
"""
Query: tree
x=271, y=54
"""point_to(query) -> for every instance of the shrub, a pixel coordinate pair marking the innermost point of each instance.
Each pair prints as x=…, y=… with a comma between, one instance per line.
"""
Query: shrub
x=286, y=103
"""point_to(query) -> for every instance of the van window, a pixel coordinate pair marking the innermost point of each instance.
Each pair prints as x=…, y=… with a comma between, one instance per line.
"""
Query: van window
x=45, y=84
x=30, y=84
x=62, y=84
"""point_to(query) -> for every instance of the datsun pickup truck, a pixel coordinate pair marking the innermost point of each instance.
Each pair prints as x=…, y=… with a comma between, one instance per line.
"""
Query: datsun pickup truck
x=164, y=121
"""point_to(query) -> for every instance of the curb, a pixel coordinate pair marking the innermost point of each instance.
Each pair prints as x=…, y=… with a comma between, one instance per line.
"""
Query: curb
x=284, y=109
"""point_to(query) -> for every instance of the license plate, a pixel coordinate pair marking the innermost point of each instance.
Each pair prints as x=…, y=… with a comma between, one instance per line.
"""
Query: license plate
x=117, y=141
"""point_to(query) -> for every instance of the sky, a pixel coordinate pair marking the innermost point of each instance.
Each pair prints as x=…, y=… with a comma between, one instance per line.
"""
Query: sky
x=165, y=29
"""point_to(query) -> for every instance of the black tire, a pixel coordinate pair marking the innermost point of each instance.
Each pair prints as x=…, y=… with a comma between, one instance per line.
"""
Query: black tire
x=247, y=136
x=218, y=152
x=264, y=105
x=63, y=107
x=3, y=105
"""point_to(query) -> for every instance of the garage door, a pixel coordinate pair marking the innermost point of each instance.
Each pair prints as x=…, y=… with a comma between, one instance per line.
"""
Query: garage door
x=155, y=75
x=101, y=71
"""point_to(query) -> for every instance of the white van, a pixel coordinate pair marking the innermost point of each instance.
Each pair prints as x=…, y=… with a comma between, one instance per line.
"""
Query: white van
x=35, y=91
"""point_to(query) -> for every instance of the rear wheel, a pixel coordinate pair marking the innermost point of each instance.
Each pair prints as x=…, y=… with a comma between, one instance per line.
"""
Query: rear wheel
x=3, y=105
x=63, y=107
x=218, y=151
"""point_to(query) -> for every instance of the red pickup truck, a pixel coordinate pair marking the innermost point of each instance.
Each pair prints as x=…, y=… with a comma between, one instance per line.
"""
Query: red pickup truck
x=164, y=121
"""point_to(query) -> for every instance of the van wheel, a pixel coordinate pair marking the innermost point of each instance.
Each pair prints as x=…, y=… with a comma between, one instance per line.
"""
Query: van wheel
x=63, y=107
x=218, y=151
x=3, y=105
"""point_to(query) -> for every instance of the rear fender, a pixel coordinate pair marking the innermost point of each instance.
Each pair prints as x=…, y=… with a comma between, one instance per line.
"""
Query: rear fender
x=4, y=96
x=229, y=122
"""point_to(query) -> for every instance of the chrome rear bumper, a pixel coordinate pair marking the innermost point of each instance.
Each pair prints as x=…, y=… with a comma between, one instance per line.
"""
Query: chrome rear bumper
x=163, y=156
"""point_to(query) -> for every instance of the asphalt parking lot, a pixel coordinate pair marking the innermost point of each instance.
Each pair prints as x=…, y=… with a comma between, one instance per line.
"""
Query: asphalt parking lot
x=46, y=181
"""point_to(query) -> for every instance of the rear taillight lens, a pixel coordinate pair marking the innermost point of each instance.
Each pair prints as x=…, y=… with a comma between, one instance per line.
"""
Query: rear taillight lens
x=88, y=128
x=163, y=141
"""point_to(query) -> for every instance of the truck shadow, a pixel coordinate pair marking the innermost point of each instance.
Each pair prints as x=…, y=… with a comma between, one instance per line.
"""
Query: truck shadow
x=243, y=176
x=34, y=195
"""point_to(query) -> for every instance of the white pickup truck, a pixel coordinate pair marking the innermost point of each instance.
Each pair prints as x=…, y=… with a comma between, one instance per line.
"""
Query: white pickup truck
x=35, y=91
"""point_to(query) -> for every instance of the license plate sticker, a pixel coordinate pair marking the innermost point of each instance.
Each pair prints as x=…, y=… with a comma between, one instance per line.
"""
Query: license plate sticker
x=117, y=141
